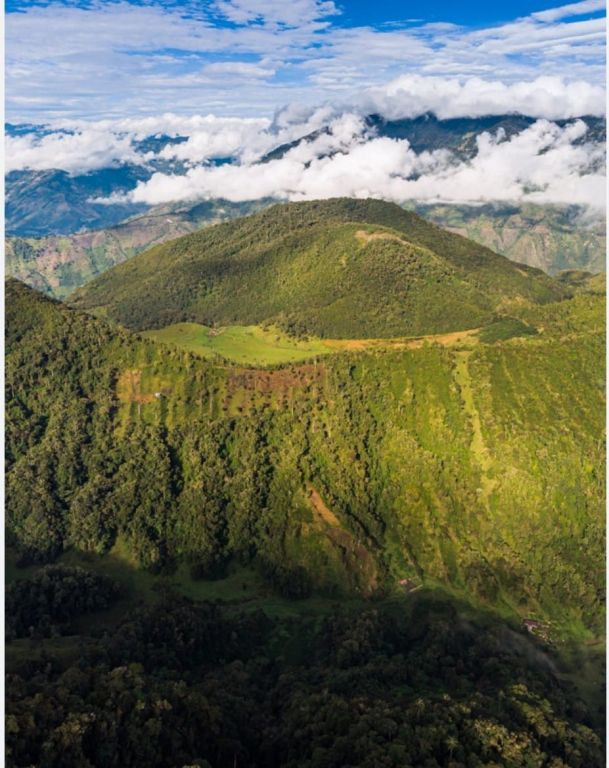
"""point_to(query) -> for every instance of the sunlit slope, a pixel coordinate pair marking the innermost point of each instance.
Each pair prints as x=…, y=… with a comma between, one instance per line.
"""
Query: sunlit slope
x=479, y=467
x=337, y=268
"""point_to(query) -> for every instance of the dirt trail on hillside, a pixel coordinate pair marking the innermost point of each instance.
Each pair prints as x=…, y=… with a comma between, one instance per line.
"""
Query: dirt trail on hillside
x=416, y=342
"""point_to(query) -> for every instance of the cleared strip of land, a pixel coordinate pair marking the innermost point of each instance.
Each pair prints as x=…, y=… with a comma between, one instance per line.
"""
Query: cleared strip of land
x=255, y=345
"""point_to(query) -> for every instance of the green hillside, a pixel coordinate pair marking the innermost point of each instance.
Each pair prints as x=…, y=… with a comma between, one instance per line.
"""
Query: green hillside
x=478, y=466
x=552, y=238
x=320, y=563
x=339, y=268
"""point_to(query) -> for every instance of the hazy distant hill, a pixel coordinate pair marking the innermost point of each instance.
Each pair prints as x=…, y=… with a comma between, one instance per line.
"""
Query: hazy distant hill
x=58, y=264
x=41, y=202
x=549, y=237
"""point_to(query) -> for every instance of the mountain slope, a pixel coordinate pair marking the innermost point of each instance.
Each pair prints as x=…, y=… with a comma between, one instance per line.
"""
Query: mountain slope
x=55, y=202
x=340, y=268
x=548, y=237
x=479, y=467
x=57, y=265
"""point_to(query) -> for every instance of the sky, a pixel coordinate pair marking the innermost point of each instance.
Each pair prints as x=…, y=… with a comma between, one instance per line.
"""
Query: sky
x=237, y=78
x=94, y=59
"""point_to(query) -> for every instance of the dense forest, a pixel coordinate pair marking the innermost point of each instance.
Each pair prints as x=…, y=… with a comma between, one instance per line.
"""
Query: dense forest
x=385, y=555
x=181, y=684
x=334, y=268
x=479, y=467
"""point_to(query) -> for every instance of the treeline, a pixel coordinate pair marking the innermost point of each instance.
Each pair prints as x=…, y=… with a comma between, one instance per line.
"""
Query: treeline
x=181, y=684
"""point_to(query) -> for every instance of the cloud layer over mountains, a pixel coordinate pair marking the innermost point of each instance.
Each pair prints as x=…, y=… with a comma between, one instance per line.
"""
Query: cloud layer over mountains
x=343, y=156
x=541, y=164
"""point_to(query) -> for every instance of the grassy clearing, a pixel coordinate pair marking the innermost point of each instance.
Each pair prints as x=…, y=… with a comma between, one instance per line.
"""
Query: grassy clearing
x=240, y=343
x=254, y=345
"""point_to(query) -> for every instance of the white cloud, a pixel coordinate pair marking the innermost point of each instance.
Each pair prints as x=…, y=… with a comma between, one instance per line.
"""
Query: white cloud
x=550, y=97
x=239, y=68
x=293, y=13
x=572, y=9
x=544, y=163
x=86, y=150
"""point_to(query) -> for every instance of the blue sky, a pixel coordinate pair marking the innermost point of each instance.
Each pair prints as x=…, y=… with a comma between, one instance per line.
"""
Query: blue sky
x=95, y=59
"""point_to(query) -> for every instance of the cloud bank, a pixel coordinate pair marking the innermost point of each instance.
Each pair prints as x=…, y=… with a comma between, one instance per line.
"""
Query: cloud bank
x=543, y=164
x=343, y=155
x=548, y=97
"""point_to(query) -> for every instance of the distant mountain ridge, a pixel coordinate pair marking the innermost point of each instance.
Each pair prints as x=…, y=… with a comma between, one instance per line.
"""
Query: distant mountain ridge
x=550, y=237
x=427, y=132
x=58, y=264
x=40, y=203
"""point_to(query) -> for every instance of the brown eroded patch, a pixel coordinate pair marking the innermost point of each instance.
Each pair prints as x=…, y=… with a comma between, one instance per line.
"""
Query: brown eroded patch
x=248, y=385
x=365, y=237
x=320, y=509
x=356, y=559
x=128, y=388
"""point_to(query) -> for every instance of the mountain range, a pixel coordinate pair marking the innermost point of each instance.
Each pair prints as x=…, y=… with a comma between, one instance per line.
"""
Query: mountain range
x=427, y=132
x=58, y=264
x=54, y=202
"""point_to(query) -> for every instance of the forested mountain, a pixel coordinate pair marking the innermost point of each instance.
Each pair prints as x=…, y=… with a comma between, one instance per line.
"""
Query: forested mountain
x=339, y=268
x=548, y=237
x=442, y=493
x=479, y=465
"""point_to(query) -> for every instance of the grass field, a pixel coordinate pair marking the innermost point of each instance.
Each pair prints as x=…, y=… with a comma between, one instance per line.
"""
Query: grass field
x=254, y=345
x=240, y=343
